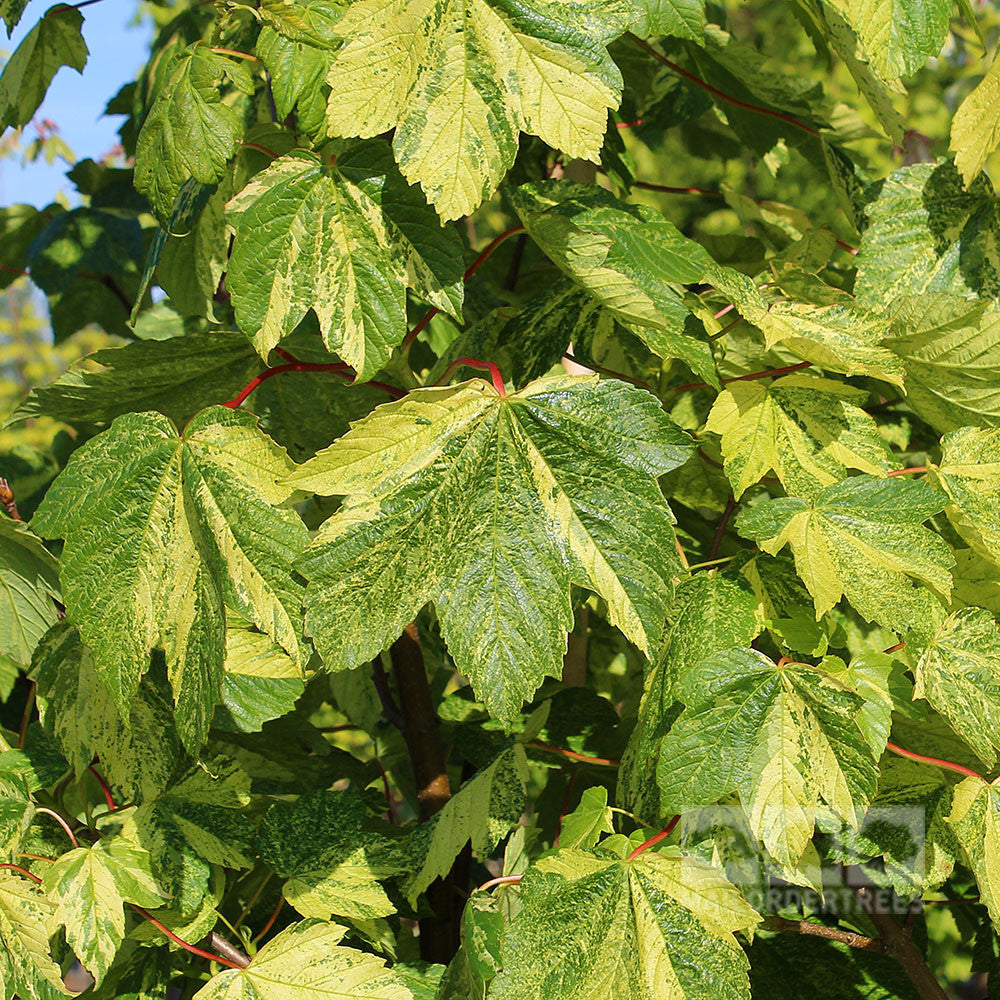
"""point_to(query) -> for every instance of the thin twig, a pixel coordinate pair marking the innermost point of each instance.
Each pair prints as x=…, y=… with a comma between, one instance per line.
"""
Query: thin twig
x=821, y=930
x=270, y=921
x=108, y=797
x=486, y=366
x=499, y=880
x=22, y=871
x=223, y=947
x=655, y=839
x=573, y=755
x=720, y=530
x=470, y=271
x=389, y=707
x=935, y=761
x=722, y=95
x=187, y=946
x=60, y=821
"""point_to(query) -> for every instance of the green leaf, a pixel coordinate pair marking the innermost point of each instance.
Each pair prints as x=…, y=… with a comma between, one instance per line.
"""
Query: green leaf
x=609, y=247
x=898, y=36
x=875, y=89
x=176, y=377
x=345, y=239
x=198, y=821
x=903, y=841
x=11, y=11
x=595, y=925
x=16, y=806
x=19, y=225
x=261, y=681
x=975, y=819
x=525, y=343
x=27, y=921
x=681, y=18
x=458, y=83
x=482, y=811
x=332, y=856
x=29, y=584
x=189, y=131
x=585, y=824
x=950, y=350
x=839, y=337
x=862, y=538
x=975, y=129
x=486, y=506
x=711, y=612
x=969, y=473
x=197, y=517
x=51, y=44
x=959, y=674
x=298, y=74
x=306, y=962
x=928, y=234
x=90, y=886
x=810, y=431
x=139, y=754
x=310, y=21
x=784, y=737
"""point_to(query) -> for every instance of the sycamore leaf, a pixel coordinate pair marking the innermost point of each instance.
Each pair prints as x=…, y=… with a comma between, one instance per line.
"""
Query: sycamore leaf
x=680, y=18
x=959, y=674
x=298, y=77
x=160, y=530
x=808, y=430
x=903, y=840
x=310, y=21
x=875, y=88
x=140, y=754
x=482, y=811
x=458, y=83
x=975, y=819
x=478, y=958
x=198, y=821
x=784, y=737
x=591, y=818
x=29, y=584
x=862, y=538
x=975, y=129
x=839, y=337
x=899, y=36
x=950, y=349
x=261, y=681
x=51, y=44
x=27, y=921
x=486, y=505
x=90, y=886
x=16, y=807
x=609, y=247
x=307, y=962
x=176, y=377
x=711, y=612
x=10, y=12
x=969, y=473
x=595, y=925
x=189, y=131
x=331, y=855
x=344, y=239
x=525, y=343
x=927, y=233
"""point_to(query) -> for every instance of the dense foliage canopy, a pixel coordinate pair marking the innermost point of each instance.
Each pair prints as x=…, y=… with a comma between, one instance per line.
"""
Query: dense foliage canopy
x=660, y=659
